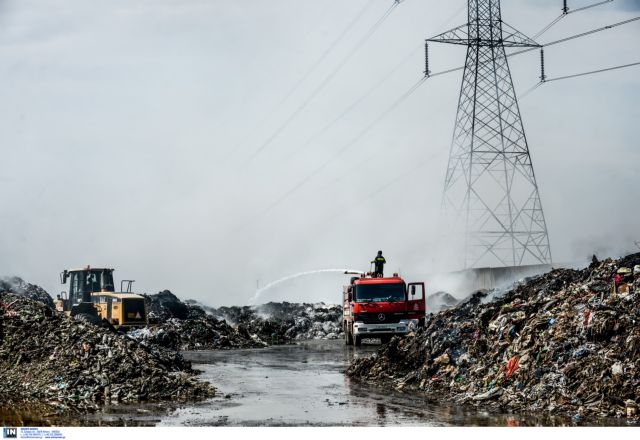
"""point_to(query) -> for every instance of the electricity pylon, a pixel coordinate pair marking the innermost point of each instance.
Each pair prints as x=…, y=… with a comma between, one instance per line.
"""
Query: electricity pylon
x=491, y=197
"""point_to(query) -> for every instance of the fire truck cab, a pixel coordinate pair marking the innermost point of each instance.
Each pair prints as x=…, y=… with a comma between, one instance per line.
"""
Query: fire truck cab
x=381, y=308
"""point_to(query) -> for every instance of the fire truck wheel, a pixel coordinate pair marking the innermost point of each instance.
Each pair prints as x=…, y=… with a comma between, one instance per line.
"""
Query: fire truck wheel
x=357, y=340
x=348, y=335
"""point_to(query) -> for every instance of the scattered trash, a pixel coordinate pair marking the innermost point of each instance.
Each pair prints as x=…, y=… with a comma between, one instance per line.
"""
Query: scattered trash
x=442, y=360
x=492, y=393
x=563, y=342
x=632, y=408
x=617, y=369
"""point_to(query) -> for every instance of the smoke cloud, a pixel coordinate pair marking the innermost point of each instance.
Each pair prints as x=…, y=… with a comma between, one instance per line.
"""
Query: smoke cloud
x=127, y=129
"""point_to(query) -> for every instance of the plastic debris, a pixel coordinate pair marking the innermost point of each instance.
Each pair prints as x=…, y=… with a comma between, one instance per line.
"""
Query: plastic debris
x=512, y=367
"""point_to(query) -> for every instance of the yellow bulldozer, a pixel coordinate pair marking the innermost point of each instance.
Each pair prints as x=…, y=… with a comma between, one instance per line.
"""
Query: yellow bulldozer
x=92, y=298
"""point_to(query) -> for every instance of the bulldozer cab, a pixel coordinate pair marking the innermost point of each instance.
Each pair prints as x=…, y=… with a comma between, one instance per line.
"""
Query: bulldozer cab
x=84, y=282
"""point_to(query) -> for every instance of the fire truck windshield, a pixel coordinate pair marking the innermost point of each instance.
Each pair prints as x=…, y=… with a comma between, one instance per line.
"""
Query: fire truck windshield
x=380, y=292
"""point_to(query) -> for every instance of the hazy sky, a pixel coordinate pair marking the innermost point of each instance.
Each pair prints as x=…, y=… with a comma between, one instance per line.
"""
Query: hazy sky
x=128, y=132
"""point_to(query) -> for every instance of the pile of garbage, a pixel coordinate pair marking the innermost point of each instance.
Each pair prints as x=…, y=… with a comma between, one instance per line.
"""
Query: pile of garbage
x=179, y=325
x=46, y=356
x=165, y=305
x=286, y=321
x=201, y=333
x=189, y=325
x=20, y=287
x=567, y=341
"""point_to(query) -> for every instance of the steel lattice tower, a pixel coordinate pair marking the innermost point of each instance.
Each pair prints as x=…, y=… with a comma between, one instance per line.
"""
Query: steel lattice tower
x=490, y=194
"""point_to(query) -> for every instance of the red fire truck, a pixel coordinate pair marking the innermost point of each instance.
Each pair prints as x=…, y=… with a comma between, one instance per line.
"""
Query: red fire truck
x=381, y=308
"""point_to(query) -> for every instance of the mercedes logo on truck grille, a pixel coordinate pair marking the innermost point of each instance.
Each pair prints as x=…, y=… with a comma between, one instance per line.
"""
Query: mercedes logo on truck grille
x=381, y=317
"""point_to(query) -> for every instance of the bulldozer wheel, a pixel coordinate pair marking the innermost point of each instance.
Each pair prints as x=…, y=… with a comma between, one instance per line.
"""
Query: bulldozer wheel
x=87, y=318
x=104, y=323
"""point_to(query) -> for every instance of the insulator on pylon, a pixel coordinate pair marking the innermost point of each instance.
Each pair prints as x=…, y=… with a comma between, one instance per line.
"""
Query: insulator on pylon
x=543, y=77
x=565, y=9
x=427, y=72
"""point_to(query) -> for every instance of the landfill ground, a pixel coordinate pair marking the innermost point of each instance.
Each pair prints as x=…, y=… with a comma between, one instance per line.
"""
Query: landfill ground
x=560, y=349
x=291, y=385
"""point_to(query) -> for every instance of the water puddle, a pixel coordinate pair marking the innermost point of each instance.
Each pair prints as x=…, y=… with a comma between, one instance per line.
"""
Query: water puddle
x=294, y=385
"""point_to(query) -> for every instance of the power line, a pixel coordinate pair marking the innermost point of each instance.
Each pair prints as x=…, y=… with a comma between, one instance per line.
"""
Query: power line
x=326, y=53
x=310, y=71
x=354, y=104
x=363, y=132
x=576, y=75
x=398, y=178
x=584, y=8
x=551, y=43
x=444, y=72
x=324, y=83
x=359, y=166
x=341, y=151
x=367, y=93
x=529, y=91
x=453, y=16
x=565, y=13
x=591, y=32
x=573, y=37
x=549, y=26
x=348, y=145
x=592, y=72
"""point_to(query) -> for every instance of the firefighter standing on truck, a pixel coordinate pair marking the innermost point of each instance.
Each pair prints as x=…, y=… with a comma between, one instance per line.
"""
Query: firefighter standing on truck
x=379, y=262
